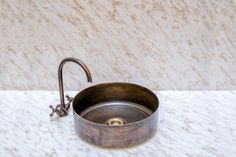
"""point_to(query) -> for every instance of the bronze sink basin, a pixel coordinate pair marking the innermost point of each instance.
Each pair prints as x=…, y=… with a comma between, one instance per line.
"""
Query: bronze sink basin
x=111, y=115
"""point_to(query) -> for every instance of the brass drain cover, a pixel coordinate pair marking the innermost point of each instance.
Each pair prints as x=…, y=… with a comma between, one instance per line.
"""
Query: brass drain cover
x=116, y=121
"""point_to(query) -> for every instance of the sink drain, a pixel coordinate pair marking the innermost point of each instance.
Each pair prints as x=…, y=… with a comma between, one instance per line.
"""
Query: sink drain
x=116, y=121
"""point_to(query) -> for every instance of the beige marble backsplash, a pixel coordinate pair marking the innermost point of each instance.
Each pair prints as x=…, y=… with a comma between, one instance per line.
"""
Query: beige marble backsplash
x=164, y=45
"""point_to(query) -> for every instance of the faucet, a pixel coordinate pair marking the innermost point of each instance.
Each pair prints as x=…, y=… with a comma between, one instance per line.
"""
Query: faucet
x=62, y=108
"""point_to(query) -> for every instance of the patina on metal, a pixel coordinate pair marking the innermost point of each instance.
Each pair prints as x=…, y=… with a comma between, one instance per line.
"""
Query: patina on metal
x=113, y=114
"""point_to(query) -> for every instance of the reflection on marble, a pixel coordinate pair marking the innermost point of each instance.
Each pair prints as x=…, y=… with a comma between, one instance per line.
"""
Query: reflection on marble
x=190, y=124
x=164, y=45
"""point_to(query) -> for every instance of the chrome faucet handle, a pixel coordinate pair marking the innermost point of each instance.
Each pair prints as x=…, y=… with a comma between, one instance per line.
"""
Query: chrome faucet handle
x=60, y=110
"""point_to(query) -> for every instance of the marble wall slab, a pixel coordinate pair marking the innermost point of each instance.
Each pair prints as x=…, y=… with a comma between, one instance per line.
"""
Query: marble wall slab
x=164, y=45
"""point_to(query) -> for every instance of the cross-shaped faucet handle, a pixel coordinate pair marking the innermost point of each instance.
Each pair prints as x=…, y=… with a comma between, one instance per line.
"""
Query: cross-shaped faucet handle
x=61, y=110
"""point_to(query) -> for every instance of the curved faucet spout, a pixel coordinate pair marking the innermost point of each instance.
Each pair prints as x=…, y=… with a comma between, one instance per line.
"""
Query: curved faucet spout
x=62, y=108
x=60, y=77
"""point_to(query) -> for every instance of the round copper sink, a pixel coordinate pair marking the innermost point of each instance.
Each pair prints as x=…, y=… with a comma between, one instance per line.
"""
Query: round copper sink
x=115, y=114
x=111, y=115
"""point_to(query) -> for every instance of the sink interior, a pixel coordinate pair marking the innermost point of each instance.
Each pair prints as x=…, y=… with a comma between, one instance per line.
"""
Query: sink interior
x=116, y=113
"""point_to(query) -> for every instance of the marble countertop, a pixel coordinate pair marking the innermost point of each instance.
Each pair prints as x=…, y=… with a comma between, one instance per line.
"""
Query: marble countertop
x=192, y=123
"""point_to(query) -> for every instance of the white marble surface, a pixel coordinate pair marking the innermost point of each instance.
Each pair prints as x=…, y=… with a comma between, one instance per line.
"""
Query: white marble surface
x=191, y=124
x=161, y=44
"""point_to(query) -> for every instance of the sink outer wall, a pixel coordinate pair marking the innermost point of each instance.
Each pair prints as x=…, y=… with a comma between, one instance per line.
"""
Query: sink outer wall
x=116, y=136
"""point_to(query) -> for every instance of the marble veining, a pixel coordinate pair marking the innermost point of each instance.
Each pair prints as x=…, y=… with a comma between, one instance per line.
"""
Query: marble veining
x=191, y=123
x=164, y=45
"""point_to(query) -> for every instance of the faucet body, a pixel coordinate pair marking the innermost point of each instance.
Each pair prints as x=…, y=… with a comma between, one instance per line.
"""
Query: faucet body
x=63, y=107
